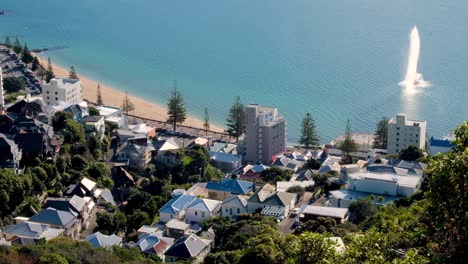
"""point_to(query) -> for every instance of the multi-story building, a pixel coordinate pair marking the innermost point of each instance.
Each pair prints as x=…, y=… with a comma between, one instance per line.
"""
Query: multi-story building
x=265, y=133
x=62, y=90
x=403, y=132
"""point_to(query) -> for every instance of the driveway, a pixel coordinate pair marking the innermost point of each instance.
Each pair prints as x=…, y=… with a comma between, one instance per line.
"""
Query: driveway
x=286, y=226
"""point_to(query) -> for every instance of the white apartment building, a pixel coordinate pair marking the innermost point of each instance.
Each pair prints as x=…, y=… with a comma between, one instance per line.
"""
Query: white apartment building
x=62, y=90
x=403, y=132
x=265, y=133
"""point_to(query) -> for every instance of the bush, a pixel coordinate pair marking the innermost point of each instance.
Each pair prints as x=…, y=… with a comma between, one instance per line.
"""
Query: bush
x=13, y=84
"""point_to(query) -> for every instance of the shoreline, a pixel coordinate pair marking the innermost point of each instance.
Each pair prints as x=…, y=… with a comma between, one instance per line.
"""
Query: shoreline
x=113, y=96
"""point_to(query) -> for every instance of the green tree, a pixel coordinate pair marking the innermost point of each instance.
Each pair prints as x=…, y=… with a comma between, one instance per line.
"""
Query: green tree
x=74, y=132
x=309, y=136
x=35, y=64
x=52, y=258
x=49, y=74
x=93, y=111
x=312, y=164
x=206, y=121
x=99, y=100
x=235, y=121
x=59, y=120
x=17, y=46
x=380, y=134
x=314, y=248
x=410, y=153
x=13, y=84
x=72, y=74
x=348, y=145
x=79, y=162
x=361, y=209
x=27, y=57
x=274, y=174
x=448, y=198
x=127, y=104
x=176, y=111
x=137, y=219
x=7, y=41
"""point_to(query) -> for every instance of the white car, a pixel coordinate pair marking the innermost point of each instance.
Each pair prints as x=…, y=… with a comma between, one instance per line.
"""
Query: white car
x=295, y=211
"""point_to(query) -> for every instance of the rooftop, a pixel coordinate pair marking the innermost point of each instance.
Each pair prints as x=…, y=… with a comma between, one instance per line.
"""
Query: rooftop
x=334, y=212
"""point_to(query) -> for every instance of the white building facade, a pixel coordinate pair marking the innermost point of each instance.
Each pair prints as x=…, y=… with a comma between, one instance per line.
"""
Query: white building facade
x=62, y=90
x=2, y=96
x=265, y=133
x=403, y=132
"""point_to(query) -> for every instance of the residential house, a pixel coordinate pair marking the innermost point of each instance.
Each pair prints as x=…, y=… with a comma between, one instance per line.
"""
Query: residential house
x=104, y=196
x=190, y=247
x=176, y=228
x=166, y=152
x=135, y=154
x=85, y=188
x=30, y=231
x=221, y=190
x=226, y=162
x=122, y=179
x=146, y=229
x=201, y=209
x=77, y=111
x=10, y=154
x=58, y=219
x=311, y=212
x=303, y=175
x=251, y=172
x=268, y=201
x=287, y=163
x=153, y=244
x=32, y=108
x=113, y=115
x=331, y=164
x=35, y=138
x=175, y=208
x=94, y=125
x=233, y=206
x=100, y=240
x=82, y=208
x=143, y=129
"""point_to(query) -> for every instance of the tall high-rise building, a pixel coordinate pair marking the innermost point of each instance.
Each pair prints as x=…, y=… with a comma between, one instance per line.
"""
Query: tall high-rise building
x=2, y=98
x=265, y=133
x=403, y=132
x=62, y=90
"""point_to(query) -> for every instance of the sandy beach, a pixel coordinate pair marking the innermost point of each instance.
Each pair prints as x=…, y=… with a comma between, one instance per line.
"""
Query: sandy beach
x=113, y=97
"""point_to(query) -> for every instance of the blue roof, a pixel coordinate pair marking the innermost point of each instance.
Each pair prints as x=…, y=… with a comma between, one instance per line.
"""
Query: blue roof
x=176, y=204
x=440, y=143
x=231, y=186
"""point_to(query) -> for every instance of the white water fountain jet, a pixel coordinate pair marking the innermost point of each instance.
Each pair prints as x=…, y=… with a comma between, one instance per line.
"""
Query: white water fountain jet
x=413, y=79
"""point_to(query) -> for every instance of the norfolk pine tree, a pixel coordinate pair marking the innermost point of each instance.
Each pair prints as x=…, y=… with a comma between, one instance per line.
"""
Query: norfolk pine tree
x=7, y=41
x=176, y=112
x=49, y=75
x=380, y=135
x=17, y=46
x=235, y=121
x=206, y=121
x=348, y=145
x=99, y=100
x=127, y=105
x=27, y=57
x=309, y=136
x=72, y=74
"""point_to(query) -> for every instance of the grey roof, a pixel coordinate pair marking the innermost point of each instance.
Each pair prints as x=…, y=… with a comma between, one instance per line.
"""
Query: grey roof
x=75, y=203
x=107, y=196
x=235, y=199
x=187, y=247
x=54, y=217
x=26, y=229
x=99, y=240
x=303, y=175
x=207, y=205
x=92, y=119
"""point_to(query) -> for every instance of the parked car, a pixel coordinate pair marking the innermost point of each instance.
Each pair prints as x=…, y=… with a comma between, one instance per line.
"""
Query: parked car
x=295, y=211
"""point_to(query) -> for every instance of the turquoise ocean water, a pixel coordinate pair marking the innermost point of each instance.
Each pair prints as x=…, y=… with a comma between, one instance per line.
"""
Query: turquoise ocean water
x=337, y=59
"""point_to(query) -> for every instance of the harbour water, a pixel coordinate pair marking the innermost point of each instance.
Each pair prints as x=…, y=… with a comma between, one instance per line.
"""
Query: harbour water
x=338, y=60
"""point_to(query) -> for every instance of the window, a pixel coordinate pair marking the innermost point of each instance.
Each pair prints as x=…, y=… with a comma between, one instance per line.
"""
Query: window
x=56, y=98
x=203, y=214
x=397, y=145
x=398, y=134
x=56, y=93
x=398, y=128
x=47, y=91
x=196, y=213
x=48, y=97
x=230, y=211
x=238, y=211
x=397, y=139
